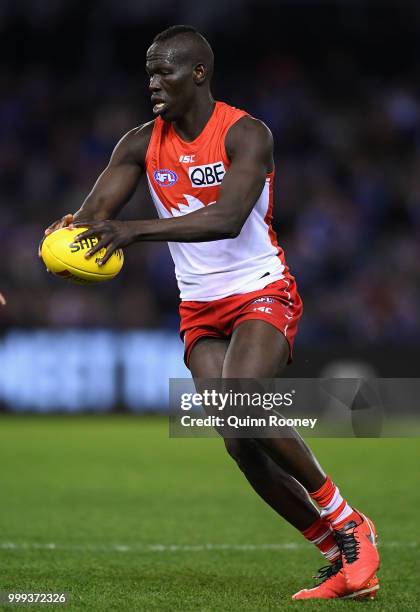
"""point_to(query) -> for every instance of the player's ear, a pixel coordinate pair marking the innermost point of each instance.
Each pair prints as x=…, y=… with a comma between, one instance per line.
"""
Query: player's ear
x=199, y=74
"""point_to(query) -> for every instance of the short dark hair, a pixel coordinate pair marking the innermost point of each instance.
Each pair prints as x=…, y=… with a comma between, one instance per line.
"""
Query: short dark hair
x=173, y=31
x=200, y=48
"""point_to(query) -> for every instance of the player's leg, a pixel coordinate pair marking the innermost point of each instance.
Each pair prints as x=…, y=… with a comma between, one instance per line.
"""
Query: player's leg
x=207, y=357
x=260, y=350
x=277, y=488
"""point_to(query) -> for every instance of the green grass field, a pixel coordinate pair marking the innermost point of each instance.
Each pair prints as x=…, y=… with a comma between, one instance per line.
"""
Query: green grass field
x=112, y=511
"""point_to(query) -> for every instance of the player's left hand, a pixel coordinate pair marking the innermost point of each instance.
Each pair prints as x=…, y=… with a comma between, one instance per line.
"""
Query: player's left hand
x=2, y=300
x=112, y=235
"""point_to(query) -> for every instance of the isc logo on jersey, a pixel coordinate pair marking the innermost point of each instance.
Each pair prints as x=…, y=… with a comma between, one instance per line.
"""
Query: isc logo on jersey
x=165, y=177
x=207, y=175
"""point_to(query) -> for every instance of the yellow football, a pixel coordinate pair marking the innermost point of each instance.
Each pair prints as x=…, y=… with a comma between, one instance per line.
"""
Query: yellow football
x=66, y=258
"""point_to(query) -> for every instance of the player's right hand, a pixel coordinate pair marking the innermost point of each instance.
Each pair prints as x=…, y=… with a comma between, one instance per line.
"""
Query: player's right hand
x=65, y=221
x=2, y=300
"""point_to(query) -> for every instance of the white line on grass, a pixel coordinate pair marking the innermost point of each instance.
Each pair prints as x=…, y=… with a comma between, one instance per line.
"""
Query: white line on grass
x=173, y=547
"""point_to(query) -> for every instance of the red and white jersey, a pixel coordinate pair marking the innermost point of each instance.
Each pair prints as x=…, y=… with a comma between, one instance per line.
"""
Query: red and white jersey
x=186, y=176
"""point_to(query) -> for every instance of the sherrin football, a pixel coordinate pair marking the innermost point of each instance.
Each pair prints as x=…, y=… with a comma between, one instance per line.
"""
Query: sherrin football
x=66, y=258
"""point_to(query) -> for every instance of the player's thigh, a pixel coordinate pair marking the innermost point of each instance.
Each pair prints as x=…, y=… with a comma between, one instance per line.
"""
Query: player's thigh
x=207, y=357
x=256, y=350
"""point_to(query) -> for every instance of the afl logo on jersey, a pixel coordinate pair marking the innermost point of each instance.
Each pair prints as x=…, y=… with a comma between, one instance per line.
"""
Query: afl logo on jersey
x=166, y=177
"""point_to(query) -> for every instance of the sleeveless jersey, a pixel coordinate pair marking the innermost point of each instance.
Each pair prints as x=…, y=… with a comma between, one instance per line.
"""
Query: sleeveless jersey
x=186, y=176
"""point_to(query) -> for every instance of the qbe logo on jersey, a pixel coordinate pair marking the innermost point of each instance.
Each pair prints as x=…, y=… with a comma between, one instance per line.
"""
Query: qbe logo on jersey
x=207, y=175
x=165, y=177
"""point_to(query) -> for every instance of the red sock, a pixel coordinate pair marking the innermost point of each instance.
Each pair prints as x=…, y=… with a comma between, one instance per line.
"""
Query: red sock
x=334, y=508
x=322, y=536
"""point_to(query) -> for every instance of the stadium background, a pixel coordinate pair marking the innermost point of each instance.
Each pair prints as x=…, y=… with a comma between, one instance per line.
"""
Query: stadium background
x=106, y=507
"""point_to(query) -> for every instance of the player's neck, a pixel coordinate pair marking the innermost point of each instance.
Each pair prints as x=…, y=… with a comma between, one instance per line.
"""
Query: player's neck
x=195, y=120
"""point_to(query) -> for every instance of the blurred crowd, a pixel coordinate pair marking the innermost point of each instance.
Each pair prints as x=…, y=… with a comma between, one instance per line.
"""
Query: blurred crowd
x=347, y=199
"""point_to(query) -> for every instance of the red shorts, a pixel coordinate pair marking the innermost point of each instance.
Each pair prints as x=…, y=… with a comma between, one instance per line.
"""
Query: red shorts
x=278, y=303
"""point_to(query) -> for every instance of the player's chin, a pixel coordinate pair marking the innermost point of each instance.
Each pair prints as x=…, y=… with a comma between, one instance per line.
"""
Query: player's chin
x=168, y=114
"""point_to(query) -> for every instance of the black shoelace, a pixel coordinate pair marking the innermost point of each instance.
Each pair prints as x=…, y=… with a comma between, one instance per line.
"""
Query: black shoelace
x=348, y=545
x=328, y=571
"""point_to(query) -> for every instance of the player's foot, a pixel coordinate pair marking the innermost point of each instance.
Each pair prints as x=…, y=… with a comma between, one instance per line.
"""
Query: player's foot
x=333, y=586
x=357, y=543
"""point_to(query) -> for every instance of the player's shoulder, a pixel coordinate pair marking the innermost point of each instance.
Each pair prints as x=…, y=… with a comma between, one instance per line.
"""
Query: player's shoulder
x=255, y=127
x=138, y=138
x=133, y=145
x=249, y=132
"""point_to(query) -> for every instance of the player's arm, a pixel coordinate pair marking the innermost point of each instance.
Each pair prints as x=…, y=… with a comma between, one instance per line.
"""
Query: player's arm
x=250, y=148
x=116, y=184
x=119, y=180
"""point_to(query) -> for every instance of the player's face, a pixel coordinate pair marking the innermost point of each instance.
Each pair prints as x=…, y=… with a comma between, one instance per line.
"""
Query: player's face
x=171, y=83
